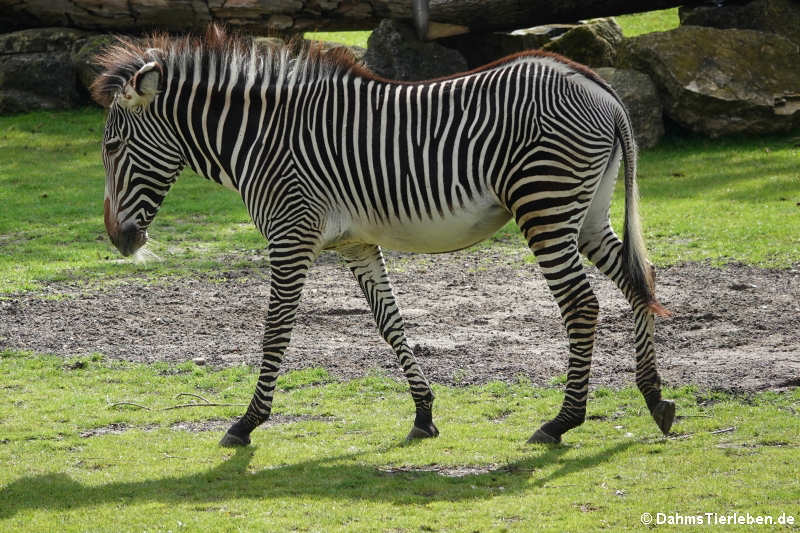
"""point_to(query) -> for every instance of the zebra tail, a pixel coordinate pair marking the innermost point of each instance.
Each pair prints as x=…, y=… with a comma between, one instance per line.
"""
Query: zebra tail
x=638, y=270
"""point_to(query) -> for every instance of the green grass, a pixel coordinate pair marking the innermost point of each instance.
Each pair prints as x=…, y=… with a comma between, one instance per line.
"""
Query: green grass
x=723, y=200
x=347, y=38
x=640, y=23
x=51, y=224
x=69, y=460
x=720, y=200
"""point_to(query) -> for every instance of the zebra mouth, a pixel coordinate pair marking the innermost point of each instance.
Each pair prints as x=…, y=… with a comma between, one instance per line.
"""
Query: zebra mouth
x=129, y=239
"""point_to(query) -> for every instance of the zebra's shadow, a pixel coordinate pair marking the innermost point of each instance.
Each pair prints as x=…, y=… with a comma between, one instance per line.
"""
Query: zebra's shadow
x=332, y=476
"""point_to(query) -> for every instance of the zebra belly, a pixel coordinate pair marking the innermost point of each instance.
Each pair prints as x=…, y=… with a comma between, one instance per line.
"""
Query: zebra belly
x=460, y=229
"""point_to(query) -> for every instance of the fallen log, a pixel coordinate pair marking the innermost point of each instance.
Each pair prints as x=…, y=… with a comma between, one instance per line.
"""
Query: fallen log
x=293, y=16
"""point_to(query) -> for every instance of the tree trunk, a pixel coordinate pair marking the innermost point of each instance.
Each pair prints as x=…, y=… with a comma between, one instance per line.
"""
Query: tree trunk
x=291, y=16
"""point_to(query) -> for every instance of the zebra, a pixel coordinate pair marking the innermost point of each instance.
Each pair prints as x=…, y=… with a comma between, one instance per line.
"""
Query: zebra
x=327, y=155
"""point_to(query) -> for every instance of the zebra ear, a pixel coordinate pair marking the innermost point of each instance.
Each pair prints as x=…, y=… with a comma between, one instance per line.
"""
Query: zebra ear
x=143, y=87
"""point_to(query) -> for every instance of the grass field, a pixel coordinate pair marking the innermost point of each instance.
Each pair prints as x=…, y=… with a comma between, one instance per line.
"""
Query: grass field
x=335, y=459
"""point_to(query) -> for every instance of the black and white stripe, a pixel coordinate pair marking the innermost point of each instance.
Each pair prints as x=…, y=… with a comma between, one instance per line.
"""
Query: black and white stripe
x=326, y=155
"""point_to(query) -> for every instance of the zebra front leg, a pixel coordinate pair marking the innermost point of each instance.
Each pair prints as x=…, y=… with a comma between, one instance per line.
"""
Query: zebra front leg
x=289, y=264
x=367, y=264
x=563, y=270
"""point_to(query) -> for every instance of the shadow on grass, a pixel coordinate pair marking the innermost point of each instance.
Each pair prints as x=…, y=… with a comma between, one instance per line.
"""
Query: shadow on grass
x=340, y=477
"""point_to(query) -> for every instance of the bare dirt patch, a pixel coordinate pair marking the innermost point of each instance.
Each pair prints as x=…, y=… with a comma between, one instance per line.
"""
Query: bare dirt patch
x=114, y=428
x=474, y=317
x=442, y=470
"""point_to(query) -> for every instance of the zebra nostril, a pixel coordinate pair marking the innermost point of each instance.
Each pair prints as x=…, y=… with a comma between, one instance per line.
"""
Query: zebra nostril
x=129, y=238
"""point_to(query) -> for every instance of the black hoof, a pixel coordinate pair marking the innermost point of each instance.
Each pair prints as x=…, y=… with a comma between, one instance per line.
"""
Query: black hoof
x=540, y=437
x=229, y=440
x=423, y=433
x=664, y=415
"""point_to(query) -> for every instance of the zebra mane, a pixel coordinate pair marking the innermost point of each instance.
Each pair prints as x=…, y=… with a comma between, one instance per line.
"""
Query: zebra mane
x=295, y=62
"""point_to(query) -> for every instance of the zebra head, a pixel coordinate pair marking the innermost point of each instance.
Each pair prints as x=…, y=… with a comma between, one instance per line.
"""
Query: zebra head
x=141, y=156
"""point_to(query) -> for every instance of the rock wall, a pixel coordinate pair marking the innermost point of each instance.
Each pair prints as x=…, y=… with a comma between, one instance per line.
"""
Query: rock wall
x=37, y=72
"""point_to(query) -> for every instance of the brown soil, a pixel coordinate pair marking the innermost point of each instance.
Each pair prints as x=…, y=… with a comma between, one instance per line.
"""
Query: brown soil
x=474, y=317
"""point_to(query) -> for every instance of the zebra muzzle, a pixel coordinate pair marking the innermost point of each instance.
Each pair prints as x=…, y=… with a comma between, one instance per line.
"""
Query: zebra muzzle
x=128, y=238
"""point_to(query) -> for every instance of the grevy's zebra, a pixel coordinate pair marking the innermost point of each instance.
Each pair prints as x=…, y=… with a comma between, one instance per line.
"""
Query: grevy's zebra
x=327, y=155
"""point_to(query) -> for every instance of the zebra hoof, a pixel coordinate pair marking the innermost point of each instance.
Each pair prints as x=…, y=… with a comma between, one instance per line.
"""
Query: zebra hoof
x=540, y=437
x=230, y=440
x=422, y=433
x=664, y=415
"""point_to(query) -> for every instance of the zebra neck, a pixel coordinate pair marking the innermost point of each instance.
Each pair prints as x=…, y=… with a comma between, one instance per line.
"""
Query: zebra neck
x=230, y=109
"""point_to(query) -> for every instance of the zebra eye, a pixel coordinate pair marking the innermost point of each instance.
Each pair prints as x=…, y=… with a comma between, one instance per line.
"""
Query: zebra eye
x=113, y=146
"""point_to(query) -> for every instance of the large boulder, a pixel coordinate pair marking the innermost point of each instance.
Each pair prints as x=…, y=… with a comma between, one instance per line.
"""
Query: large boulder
x=640, y=96
x=36, y=70
x=773, y=16
x=395, y=52
x=594, y=43
x=721, y=82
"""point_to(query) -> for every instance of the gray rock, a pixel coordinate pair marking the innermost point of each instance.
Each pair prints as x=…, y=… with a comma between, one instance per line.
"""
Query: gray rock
x=36, y=70
x=773, y=16
x=640, y=96
x=15, y=101
x=41, y=40
x=395, y=52
x=594, y=43
x=37, y=81
x=721, y=82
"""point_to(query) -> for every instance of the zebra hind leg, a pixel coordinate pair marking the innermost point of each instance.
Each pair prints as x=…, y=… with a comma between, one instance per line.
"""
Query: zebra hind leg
x=367, y=264
x=562, y=268
x=604, y=249
x=598, y=242
x=290, y=260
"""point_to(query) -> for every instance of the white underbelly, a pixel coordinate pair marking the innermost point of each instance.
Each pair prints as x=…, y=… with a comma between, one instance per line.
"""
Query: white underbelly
x=466, y=226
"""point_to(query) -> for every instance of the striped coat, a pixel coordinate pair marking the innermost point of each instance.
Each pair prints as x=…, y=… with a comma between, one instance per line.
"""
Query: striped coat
x=327, y=155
